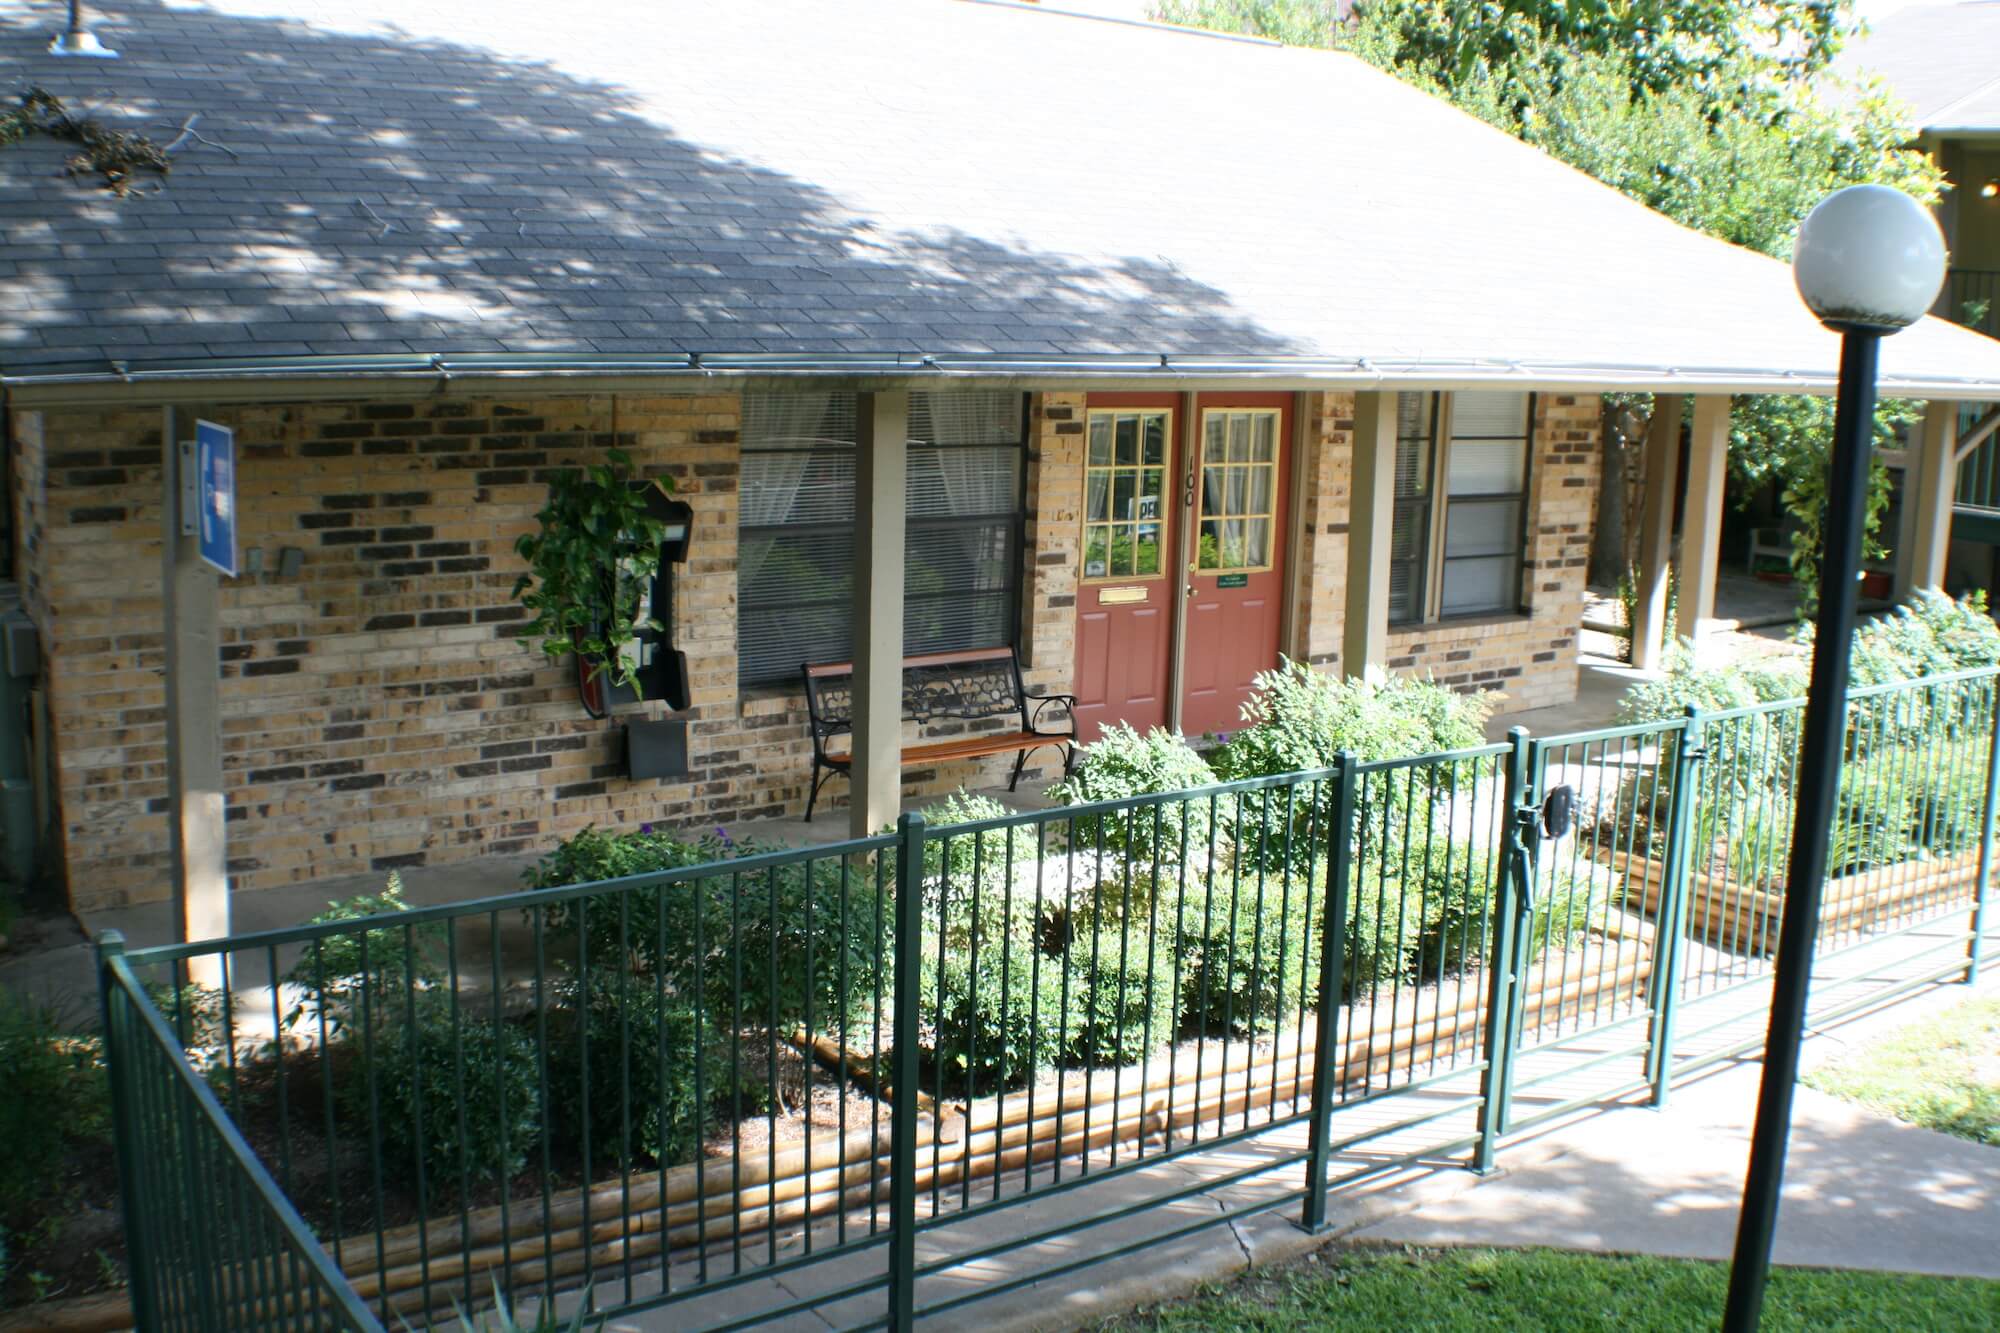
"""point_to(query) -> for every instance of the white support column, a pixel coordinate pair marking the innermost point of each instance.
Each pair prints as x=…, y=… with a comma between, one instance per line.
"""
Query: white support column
x=1701, y=522
x=195, y=807
x=1932, y=480
x=1371, y=516
x=1656, y=531
x=881, y=458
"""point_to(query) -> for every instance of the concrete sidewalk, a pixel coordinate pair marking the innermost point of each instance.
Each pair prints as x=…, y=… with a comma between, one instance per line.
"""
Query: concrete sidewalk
x=1861, y=1190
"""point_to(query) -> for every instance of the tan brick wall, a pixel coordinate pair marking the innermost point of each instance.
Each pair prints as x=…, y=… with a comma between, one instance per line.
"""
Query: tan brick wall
x=380, y=709
x=1532, y=658
x=1320, y=593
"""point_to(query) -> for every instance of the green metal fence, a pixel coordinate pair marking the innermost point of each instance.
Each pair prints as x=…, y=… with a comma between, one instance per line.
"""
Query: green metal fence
x=648, y=1092
x=212, y=1243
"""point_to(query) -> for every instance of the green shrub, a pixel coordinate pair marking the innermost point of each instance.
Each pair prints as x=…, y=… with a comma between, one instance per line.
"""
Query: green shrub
x=1000, y=1025
x=1121, y=763
x=1571, y=901
x=1684, y=683
x=1301, y=720
x=1121, y=989
x=1963, y=630
x=970, y=871
x=1383, y=926
x=988, y=853
x=787, y=928
x=637, y=1052
x=1448, y=886
x=1248, y=959
x=426, y=1075
x=1947, y=796
x=334, y=973
x=53, y=1096
x=803, y=936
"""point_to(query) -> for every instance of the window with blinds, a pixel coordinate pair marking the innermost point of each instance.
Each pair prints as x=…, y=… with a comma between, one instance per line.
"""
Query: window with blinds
x=1455, y=548
x=795, y=554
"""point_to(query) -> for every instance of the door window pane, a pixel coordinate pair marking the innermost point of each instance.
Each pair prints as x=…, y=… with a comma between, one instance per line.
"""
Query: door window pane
x=1125, y=486
x=1239, y=481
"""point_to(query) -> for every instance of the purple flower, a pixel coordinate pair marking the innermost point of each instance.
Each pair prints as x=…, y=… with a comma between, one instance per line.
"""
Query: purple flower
x=723, y=834
x=645, y=828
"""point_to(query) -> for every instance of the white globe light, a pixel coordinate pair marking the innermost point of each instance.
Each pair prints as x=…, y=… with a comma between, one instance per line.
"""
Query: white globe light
x=1869, y=257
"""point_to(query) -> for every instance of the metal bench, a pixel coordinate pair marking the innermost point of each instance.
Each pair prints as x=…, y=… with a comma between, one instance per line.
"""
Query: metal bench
x=974, y=687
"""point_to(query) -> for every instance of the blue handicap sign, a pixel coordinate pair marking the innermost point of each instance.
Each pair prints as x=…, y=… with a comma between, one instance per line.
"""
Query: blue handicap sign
x=215, y=470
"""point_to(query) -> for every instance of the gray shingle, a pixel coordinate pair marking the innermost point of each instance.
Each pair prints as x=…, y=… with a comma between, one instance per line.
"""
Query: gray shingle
x=788, y=175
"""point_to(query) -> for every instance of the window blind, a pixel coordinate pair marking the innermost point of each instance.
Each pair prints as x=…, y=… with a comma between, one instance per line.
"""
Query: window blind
x=795, y=554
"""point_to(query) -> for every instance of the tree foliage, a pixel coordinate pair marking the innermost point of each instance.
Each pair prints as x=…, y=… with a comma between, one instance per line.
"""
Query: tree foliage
x=1720, y=114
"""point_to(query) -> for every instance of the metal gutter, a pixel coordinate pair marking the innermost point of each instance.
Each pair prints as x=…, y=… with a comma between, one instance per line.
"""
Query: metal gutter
x=419, y=373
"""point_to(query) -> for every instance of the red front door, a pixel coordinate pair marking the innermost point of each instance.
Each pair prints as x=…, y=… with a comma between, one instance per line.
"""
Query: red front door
x=1125, y=601
x=1235, y=568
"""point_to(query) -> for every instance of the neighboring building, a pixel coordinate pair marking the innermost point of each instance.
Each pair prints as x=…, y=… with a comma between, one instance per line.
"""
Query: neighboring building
x=1205, y=351
x=1944, y=60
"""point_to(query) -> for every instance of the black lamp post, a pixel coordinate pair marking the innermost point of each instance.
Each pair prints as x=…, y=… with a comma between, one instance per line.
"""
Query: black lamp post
x=1869, y=262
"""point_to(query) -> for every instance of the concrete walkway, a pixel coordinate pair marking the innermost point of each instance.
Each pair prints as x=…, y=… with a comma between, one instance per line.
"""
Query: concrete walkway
x=1861, y=1190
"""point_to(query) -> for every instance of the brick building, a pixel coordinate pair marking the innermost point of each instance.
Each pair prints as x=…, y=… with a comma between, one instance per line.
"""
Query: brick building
x=1151, y=443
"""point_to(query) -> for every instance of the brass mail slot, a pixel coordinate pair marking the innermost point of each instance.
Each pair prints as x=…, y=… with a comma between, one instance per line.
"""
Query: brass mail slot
x=1120, y=596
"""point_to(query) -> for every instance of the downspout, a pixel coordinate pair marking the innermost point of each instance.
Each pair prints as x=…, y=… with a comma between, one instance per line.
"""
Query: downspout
x=20, y=668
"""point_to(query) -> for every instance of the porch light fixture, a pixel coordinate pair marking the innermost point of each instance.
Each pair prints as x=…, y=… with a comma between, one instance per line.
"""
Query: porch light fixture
x=77, y=40
x=1990, y=190
x=1869, y=262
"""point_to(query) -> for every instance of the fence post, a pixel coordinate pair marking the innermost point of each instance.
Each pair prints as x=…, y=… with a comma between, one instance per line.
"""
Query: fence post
x=124, y=1132
x=1510, y=901
x=903, y=1084
x=1671, y=910
x=1983, y=887
x=1332, y=980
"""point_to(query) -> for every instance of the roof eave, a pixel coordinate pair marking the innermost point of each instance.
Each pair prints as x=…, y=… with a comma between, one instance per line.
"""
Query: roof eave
x=401, y=375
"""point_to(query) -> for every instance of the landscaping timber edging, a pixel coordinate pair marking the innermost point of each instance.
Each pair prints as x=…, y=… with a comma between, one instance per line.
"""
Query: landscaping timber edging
x=683, y=1207
x=1745, y=920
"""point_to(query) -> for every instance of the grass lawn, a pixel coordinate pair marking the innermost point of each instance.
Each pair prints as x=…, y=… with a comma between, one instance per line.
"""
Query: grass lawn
x=1369, y=1288
x=1943, y=1073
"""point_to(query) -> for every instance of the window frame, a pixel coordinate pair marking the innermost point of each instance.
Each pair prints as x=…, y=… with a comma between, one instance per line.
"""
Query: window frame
x=1268, y=515
x=1436, y=506
x=1169, y=533
x=1013, y=521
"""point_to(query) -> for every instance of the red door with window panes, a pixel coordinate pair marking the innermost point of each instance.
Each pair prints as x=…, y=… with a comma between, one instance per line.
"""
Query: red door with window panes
x=1235, y=577
x=1125, y=599
x=1179, y=532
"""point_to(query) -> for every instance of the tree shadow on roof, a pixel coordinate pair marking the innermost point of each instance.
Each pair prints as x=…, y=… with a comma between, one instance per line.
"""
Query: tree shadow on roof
x=379, y=195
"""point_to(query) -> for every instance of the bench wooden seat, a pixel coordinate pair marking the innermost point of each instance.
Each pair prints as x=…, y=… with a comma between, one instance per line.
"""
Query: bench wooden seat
x=981, y=686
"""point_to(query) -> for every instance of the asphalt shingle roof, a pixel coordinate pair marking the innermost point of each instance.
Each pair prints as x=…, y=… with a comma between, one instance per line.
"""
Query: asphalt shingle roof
x=628, y=177
x=1944, y=60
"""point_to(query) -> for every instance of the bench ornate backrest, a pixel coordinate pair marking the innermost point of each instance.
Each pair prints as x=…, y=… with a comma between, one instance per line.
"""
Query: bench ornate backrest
x=969, y=686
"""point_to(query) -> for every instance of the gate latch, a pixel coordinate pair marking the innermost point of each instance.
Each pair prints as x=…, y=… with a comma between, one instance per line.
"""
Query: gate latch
x=1558, y=811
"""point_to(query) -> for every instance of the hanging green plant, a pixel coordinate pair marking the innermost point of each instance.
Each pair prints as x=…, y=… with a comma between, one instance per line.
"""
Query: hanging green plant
x=591, y=564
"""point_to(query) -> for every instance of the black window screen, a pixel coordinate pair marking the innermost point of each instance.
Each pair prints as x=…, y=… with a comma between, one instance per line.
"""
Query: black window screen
x=795, y=557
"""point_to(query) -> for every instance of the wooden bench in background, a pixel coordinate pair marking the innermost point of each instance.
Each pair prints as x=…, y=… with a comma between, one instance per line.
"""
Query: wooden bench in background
x=983, y=685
